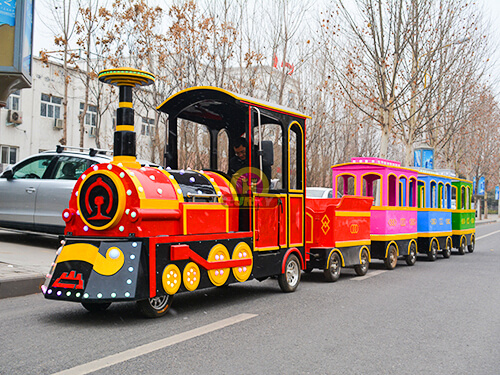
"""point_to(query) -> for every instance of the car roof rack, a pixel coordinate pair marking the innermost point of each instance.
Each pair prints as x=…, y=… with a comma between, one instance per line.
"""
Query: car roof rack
x=92, y=151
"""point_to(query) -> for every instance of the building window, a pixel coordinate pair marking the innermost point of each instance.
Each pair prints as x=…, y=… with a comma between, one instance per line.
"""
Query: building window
x=13, y=100
x=9, y=154
x=148, y=126
x=91, y=115
x=50, y=106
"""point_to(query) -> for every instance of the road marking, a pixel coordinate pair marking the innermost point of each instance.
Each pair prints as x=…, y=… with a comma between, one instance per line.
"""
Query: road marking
x=153, y=346
x=368, y=275
x=486, y=235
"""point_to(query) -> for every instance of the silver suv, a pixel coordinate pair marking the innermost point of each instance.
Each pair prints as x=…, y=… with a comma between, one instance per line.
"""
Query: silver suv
x=35, y=191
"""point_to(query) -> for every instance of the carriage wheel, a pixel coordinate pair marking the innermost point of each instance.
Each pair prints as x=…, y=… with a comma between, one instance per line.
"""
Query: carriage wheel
x=472, y=245
x=289, y=281
x=392, y=258
x=447, y=249
x=155, y=307
x=411, y=258
x=433, y=253
x=332, y=272
x=362, y=269
x=463, y=245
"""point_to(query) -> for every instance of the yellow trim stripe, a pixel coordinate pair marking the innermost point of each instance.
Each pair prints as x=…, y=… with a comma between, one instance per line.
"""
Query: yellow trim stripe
x=125, y=105
x=124, y=128
x=392, y=237
x=352, y=214
x=464, y=231
x=352, y=243
x=160, y=204
x=434, y=234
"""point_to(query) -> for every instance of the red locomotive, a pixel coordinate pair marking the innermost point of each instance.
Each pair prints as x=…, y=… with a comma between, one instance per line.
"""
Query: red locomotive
x=144, y=234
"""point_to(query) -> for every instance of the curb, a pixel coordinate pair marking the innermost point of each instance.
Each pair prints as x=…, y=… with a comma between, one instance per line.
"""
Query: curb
x=17, y=287
x=489, y=221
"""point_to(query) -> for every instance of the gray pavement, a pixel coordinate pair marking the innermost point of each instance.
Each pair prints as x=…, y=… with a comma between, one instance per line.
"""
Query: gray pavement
x=25, y=259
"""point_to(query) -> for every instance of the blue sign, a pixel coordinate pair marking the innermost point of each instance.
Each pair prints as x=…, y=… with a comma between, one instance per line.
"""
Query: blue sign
x=8, y=12
x=497, y=193
x=480, y=188
x=474, y=186
x=428, y=159
x=417, y=158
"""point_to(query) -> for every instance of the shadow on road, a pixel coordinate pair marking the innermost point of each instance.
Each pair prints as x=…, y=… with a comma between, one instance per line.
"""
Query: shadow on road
x=30, y=239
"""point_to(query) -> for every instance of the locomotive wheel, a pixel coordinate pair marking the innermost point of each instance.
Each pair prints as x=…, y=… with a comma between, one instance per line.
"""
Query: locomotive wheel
x=155, y=307
x=289, y=281
x=447, y=249
x=411, y=258
x=472, y=245
x=332, y=273
x=433, y=253
x=463, y=245
x=392, y=258
x=96, y=307
x=362, y=269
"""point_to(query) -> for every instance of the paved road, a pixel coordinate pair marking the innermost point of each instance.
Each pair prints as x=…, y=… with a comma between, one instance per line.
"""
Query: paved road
x=438, y=317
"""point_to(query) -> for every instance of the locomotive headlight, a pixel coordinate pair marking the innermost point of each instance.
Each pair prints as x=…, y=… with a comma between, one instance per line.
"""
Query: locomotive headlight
x=101, y=200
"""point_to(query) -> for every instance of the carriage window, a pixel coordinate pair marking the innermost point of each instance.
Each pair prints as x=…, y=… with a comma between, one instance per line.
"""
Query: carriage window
x=193, y=145
x=433, y=195
x=454, y=197
x=447, y=196
x=440, y=197
x=272, y=154
x=467, y=199
x=296, y=157
x=412, y=193
x=463, y=198
x=345, y=185
x=402, y=192
x=391, y=191
x=222, y=151
x=421, y=194
x=371, y=188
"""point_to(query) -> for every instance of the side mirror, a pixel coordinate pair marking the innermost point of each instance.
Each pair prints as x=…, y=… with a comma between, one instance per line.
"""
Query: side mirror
x=8, y=174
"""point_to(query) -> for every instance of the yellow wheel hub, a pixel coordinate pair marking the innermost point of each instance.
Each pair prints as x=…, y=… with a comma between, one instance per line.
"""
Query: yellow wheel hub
x=218, y=276
x=191, y=276
x=171, y=279
x=242, y=251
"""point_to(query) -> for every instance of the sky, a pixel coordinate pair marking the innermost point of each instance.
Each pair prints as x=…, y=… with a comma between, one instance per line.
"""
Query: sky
x=43, y=37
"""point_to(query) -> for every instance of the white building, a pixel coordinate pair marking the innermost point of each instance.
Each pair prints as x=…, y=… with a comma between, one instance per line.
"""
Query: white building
x=32, y=121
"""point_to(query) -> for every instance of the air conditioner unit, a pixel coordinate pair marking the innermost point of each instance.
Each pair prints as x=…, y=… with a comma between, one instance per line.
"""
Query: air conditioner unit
x=58, y=123
x=92, y=132
x=14, y=117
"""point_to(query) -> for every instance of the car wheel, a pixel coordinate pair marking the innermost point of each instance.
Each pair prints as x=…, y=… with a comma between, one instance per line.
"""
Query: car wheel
x=433, y=253
x=332, y=272
x=155, y=307
x=392, y=258
x=289, y=281
x=362, y=269
x=411, y=258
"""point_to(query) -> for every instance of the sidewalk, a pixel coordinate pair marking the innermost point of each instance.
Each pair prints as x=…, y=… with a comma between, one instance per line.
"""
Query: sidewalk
x=25, y=259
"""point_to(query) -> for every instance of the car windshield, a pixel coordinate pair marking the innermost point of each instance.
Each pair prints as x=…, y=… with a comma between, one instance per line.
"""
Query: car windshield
x=70, y=168
x=314, y=193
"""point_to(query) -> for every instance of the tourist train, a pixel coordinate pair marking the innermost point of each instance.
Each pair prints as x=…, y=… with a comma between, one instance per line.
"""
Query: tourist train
x=145, y=234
